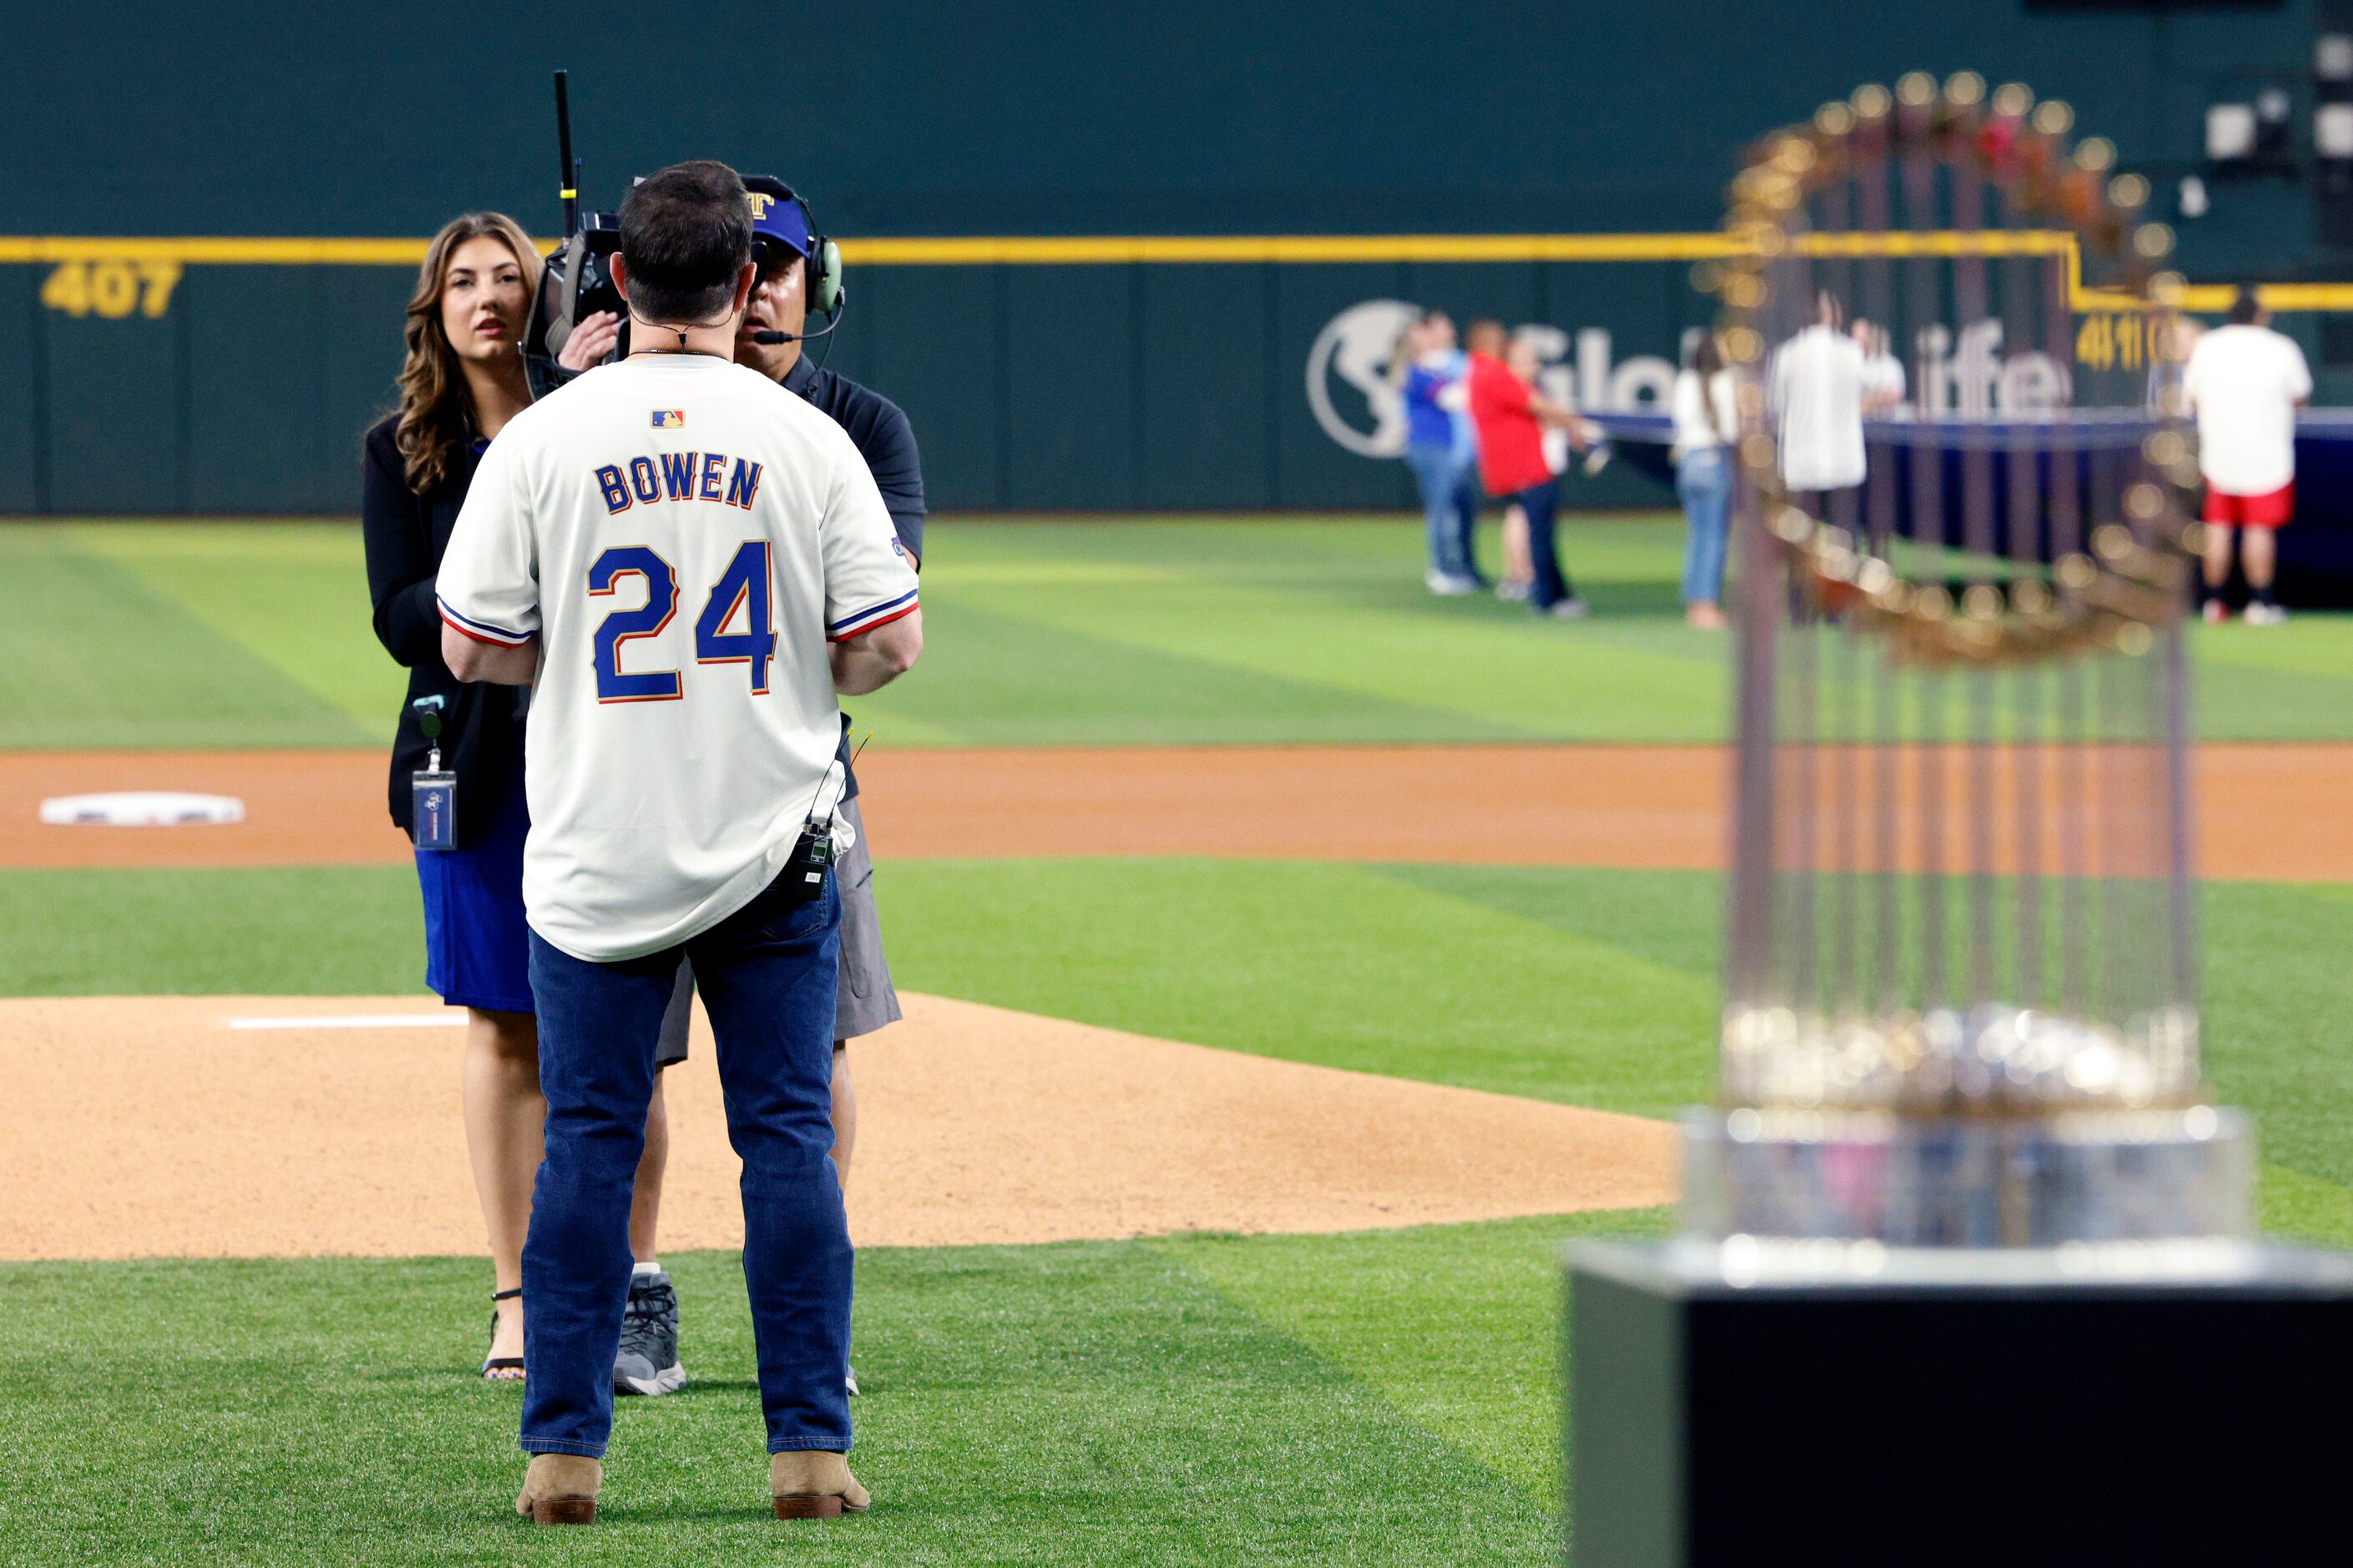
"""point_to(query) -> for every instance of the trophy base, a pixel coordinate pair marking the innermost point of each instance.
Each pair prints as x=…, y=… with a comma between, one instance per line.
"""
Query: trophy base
x=1849, y=1403
x=2078, y=1176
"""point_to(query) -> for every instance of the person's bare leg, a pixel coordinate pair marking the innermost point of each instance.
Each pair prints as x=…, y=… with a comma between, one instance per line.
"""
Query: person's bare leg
x=644, y=1207
x=845, y=1116
x=505, y=1121
x=2258, y=554
x=1519, y=564
x=2218, y=556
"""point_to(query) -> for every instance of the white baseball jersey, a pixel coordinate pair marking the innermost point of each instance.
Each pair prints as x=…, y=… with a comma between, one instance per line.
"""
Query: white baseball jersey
x=684, y=537
x=2243, y=384
x=1818, y=392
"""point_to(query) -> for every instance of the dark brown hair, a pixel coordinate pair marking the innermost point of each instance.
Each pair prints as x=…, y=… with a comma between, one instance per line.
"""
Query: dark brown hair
x=435, y=417
x=1707, y=361
x=686, y=233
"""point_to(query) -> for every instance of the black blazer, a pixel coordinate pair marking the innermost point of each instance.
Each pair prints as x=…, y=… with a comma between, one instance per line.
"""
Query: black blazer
x=481, y=725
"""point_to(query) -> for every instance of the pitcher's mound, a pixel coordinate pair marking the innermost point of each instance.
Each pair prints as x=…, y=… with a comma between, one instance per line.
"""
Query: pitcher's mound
x=151, y=1126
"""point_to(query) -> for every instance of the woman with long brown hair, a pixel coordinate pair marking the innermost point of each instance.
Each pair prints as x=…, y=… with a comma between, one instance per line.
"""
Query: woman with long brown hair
x=462, y=381
x=1707, y=422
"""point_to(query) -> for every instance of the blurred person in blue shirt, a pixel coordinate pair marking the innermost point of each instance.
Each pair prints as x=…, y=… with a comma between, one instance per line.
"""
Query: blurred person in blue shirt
x=1441, y=448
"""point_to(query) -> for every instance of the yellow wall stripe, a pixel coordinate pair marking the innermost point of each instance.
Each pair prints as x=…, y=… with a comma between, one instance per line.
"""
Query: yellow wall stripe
x=1128, y=249
x=1098, y=249
x=1948, y=242
x=978, y=250
x=981, y=250
x=217, y=252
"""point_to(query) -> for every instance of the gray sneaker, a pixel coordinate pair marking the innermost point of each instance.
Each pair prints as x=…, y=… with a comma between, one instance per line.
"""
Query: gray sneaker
x=647, y=1361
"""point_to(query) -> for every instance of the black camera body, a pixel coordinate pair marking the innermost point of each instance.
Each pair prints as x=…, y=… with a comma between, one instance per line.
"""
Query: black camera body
x=576, y=283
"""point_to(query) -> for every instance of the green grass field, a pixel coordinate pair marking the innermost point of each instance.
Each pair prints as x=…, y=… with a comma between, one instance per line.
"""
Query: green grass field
x=1380, y=1397
x=1269, y=1399
x=1042, y=633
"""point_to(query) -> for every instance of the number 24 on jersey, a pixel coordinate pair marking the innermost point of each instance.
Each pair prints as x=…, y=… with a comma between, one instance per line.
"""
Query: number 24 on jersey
x=743, y=597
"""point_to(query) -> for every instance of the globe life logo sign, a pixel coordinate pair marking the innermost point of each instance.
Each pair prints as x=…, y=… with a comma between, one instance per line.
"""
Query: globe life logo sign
x=1349, y=393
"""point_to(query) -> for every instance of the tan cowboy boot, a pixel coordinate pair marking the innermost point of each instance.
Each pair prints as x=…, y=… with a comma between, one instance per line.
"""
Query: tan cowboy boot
x=809, y=1483
x=561, y=1489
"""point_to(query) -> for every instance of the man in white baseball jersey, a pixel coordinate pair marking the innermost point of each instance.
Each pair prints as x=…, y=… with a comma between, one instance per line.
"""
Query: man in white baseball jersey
x=691, y=562
x=2243, y=382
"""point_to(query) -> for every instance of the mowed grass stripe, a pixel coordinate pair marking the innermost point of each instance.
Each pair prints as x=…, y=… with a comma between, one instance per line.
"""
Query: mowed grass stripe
x=1088, y=1403
x=1588, y=987
x=297, y=930
x=2322, y=645
x=2272, y=1005
x=2252, y=684
x=1129, y=630
x=97, y=656
x=1309, y=960
x=1457, y=1326
x=291, y=593
x=992, y=678
x=1357, y=622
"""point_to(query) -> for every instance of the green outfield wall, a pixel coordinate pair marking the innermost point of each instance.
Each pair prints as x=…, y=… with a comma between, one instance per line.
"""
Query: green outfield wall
x=1093, y=386
x=235, y=377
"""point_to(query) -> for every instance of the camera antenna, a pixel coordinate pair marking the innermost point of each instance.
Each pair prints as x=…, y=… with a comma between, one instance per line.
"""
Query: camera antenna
x=567, y=184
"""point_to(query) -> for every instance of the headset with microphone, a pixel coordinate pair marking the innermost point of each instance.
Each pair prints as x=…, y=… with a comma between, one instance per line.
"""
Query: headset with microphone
x=577, y=281
x=775, y=207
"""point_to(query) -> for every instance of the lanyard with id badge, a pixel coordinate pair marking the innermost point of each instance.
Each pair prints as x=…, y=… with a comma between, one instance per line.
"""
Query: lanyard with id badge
x=433, y=792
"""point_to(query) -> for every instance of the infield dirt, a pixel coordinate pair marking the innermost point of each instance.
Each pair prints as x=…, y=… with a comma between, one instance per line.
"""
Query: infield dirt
x=150, y=1126
x=1658, y=807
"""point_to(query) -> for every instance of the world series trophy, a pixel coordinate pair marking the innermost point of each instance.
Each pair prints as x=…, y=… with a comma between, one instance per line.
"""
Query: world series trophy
x=1961, y=988
x=1963, y=1206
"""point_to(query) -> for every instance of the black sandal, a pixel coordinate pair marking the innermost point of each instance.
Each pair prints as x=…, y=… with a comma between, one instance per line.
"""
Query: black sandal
x=501, y=1363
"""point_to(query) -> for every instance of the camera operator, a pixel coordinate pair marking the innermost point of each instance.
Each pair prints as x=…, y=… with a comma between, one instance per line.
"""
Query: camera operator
x=793, y=262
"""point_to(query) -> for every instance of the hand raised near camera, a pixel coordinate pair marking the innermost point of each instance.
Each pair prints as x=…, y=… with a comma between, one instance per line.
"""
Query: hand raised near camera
x=592, y=339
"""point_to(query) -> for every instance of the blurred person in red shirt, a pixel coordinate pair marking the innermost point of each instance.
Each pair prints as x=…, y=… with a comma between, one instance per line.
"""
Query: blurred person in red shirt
x=1512, y=416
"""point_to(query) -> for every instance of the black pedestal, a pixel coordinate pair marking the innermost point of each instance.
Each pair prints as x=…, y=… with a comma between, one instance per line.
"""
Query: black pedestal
x=1988, y=1409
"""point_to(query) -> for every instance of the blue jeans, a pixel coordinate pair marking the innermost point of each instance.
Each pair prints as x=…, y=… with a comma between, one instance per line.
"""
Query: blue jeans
x=767, y=978
x=1704, y=484
x=1450, y=507
x=1541, y=502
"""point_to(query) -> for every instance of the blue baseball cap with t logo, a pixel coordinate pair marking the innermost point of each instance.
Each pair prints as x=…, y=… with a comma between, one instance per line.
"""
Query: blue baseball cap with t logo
x=777, y=217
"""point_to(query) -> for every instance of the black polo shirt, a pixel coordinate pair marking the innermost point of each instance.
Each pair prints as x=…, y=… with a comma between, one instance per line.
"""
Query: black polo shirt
x=879, y=429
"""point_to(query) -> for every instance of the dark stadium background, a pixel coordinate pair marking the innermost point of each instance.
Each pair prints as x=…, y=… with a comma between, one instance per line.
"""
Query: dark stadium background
x=1108, y=385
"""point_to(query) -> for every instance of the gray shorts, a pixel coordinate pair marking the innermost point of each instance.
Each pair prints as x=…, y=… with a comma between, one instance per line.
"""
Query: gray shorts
x=864, y=999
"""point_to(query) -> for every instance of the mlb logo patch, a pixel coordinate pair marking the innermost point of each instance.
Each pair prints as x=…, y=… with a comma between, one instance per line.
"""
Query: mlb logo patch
x=668, y=418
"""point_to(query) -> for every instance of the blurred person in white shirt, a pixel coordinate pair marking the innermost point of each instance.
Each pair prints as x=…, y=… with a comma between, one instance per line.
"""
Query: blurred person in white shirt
x=2243, y=384
x=1707, y=421
x=1882, y=372
x=1817, y=394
